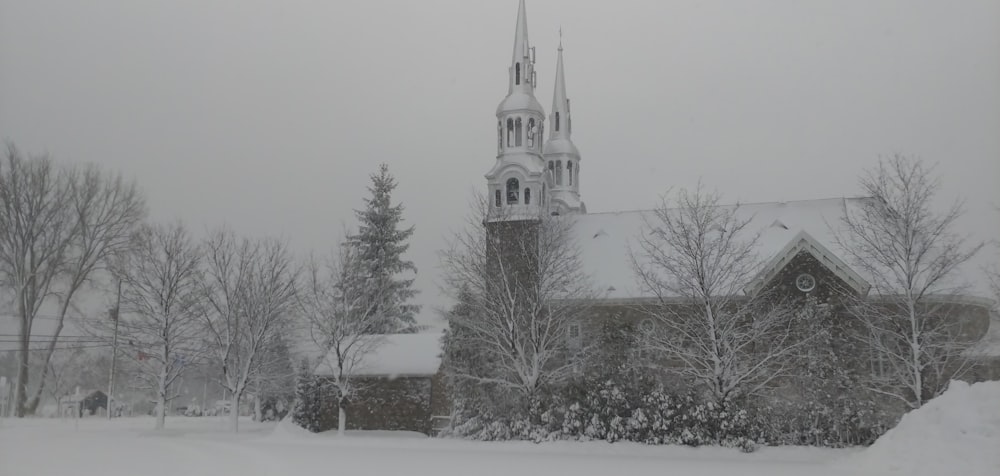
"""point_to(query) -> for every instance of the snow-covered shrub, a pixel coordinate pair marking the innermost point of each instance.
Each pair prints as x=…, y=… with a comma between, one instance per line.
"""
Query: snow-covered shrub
x=629, y=407
x=838, y=423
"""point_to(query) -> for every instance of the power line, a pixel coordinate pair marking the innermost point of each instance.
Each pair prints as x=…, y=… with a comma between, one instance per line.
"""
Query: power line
x=73, y=347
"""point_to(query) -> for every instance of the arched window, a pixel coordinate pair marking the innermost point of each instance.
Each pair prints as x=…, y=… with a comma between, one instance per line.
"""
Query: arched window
x=569, y=171
x=499, y=136
x=527, y=196
x=531, y=132
x=513, y=190
x=510, y=131
x=543, y=195
x=552, y=167
x=517, y=73
x=557, y=122
x=517, y=132
x=497, y=194
x=559, y=172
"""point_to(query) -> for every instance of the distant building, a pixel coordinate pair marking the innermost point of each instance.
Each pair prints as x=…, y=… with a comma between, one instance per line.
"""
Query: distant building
x=83, y=403
x=400, y=386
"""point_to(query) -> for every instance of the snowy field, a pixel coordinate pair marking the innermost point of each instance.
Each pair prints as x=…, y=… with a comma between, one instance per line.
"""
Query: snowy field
x=200, y=446
x=958, y=433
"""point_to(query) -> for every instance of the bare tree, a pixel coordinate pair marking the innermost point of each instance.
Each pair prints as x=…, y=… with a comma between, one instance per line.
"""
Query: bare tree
x=105, y=211
x=343, y=319
x=912, y=255
x=250, y=286
x=992, y=272
x=521, y=285
x=57, y=227
x=36, y=228
x=162, y=307
x=696, y=257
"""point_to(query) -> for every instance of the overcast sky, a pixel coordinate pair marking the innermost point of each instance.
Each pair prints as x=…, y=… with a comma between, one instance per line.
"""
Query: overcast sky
x=269, y=115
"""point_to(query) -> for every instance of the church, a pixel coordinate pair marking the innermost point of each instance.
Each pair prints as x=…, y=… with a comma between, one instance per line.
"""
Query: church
x=535, y=174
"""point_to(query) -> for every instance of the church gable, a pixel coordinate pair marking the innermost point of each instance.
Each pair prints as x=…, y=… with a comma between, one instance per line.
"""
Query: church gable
x=805, y=275
x=802, y=247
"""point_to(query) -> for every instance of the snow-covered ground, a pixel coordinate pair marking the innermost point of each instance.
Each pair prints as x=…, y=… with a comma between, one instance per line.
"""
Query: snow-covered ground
x=200, y=446
x=958, y=433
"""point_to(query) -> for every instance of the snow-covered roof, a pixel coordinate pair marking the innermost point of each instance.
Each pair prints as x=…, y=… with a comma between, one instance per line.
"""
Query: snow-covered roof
x=395, y=355
x=785, y=227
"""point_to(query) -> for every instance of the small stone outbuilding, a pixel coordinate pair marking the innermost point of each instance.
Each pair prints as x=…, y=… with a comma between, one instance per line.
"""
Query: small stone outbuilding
x=400, y=386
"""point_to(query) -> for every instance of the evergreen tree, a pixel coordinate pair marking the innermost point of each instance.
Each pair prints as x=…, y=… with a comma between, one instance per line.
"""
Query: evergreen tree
x=307, y=411
x=381, y=244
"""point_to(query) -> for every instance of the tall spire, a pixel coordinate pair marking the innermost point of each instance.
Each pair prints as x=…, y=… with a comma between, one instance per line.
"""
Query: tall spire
x=561, y=156
x=522, y=63
x=521, y=44
x=559, y=119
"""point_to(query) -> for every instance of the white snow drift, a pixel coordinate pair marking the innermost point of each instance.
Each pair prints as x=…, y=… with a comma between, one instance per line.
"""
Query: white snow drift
x=956, y=433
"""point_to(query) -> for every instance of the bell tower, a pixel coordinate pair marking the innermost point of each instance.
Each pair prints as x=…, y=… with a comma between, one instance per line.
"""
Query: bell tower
x=517, y=182
x=562, y=158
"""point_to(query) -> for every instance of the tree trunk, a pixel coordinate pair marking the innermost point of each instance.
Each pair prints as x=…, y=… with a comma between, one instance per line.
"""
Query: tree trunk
x=161, y=411
x=258, y=412
x=915, y=340
x=21, y=385
x=257, y=404
x=234, y=412
x=49, y=350
x=161, y=400
x=341, y=417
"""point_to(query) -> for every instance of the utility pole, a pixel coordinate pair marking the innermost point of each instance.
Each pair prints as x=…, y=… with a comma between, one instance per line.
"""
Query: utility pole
x=114, y=348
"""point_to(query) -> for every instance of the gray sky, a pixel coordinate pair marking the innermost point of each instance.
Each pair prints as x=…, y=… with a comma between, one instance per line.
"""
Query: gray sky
x=269, y=115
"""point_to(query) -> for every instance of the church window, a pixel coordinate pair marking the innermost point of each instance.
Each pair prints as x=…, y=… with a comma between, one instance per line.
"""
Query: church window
x=552, y=167
x=531, y=132
x=574, y=336
x=527, y=196
x=499, y=136
x=559, y=172
x=517, y=73
x=569, y=171
x=497, y=194
x=805, y=282
x=880, y=365
x=557, y=122
x=510, y=131
x=513, y=191
x=517, y=132
x=543, y=194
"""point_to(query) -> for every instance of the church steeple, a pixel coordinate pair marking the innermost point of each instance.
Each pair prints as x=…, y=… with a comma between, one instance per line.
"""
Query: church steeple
x=562, y=158
x=559, y=118
x=522, y=64
x=516, y=183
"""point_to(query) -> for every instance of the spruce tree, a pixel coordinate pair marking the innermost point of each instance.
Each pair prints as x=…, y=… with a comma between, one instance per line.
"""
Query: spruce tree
x=307, y=410
x=381, y=243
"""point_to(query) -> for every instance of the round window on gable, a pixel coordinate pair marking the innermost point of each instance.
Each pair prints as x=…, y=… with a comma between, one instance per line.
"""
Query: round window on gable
x=647, y=326
x=805, y=282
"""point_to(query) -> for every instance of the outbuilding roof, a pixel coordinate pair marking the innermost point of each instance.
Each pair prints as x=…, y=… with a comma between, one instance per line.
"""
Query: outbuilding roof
x=393, y=355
